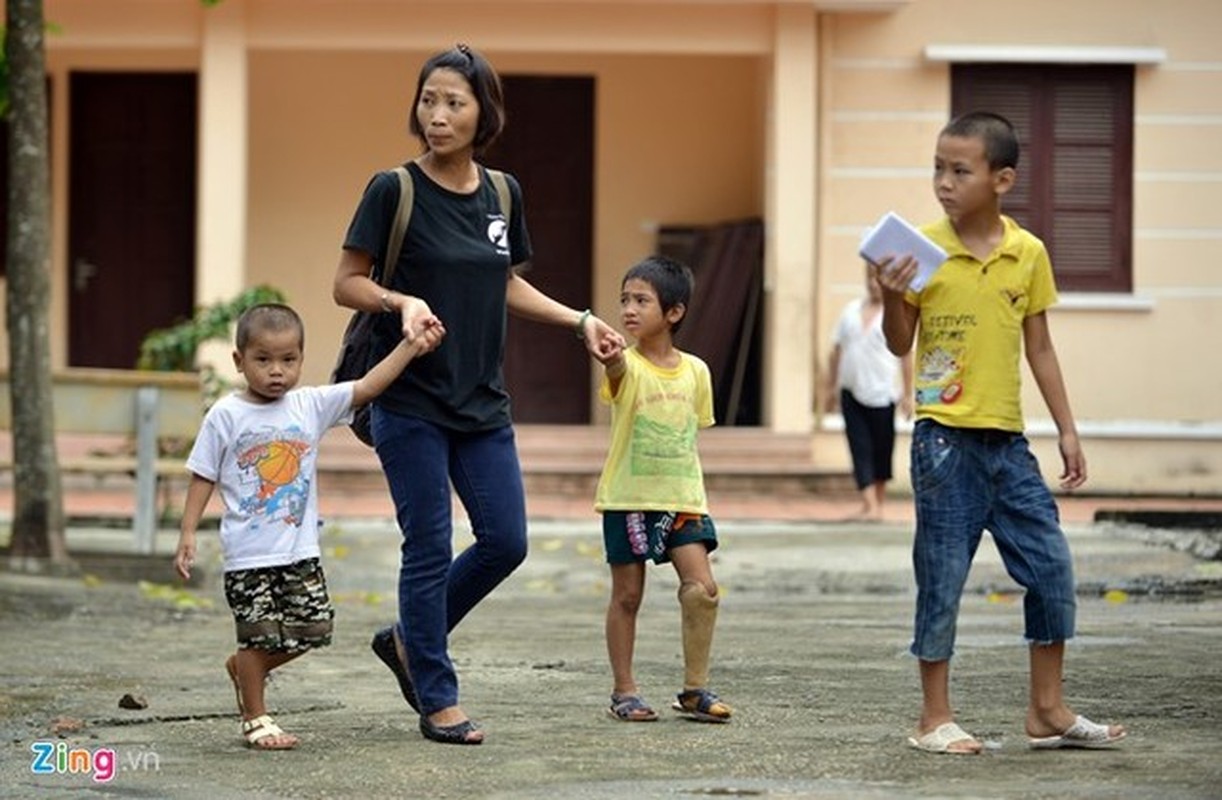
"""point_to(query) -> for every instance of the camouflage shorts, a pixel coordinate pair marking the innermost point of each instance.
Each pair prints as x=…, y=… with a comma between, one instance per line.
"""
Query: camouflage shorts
x=281, y=609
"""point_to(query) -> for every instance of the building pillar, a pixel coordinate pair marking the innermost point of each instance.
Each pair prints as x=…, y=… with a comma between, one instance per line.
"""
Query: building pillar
x=790, y=229
x=220, y=251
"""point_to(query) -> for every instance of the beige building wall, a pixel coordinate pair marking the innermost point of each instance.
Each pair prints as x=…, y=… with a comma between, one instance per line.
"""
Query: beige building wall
x=819, y=116
x=1144, y=382
x=655, y=164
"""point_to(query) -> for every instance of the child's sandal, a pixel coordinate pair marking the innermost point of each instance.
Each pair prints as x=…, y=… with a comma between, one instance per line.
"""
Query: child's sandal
x=630, y=708
x=259, y=729
x=702, y=706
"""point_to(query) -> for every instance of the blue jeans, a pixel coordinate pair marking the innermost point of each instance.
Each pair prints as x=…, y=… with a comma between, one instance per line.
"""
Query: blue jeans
x=437, y=590
x=965, y=481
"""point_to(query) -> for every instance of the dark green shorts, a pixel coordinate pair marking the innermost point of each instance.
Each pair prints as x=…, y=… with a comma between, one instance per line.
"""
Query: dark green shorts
x=630, y=536
x=281, y=609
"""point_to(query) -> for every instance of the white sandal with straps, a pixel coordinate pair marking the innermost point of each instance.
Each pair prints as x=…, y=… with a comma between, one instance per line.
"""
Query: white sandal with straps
x=257, y=729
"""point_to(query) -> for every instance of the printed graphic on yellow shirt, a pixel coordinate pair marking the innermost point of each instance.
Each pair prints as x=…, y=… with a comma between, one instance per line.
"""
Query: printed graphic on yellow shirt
x=939, y=376
x=271, y=466
x=665, y=450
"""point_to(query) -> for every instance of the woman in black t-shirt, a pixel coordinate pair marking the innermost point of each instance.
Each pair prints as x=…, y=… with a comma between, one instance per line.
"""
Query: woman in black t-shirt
x=446, y=419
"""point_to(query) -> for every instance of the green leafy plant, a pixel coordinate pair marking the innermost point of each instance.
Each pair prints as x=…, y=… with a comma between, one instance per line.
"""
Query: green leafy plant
x=175, y=347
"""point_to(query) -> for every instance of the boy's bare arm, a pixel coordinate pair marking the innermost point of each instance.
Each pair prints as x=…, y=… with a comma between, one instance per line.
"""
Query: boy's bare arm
x=1042, y=358
x=907, y=400
x=899, y=318
x=615, y=366
x=199, y=492
x=379, y=378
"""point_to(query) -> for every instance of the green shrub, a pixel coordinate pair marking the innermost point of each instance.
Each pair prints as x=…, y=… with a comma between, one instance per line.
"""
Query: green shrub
x=175, y=348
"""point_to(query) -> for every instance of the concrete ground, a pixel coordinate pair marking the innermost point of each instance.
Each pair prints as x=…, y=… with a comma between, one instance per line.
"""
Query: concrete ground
x=810, y=650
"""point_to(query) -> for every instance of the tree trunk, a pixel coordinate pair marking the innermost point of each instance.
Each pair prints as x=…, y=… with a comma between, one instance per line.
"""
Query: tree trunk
x=38, y=513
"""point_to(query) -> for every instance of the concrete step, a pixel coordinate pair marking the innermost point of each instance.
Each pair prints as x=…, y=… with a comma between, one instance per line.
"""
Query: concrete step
x=567, y=460
x=561, y=461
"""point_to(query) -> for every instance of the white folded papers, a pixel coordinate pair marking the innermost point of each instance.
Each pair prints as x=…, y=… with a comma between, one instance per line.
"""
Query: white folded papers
x=894, y=236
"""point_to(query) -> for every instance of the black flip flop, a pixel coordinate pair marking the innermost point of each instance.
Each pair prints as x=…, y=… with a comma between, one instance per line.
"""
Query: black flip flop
x=383, y=646
x=449, y=734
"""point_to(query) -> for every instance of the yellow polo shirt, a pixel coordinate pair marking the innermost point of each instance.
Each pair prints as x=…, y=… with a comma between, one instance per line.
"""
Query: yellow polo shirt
x=970, y=335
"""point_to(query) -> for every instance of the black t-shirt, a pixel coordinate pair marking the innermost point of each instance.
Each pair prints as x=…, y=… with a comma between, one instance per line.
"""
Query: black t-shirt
x=457, y=257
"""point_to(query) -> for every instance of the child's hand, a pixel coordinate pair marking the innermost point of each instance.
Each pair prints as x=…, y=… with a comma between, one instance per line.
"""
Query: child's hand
x=184, y=558
x=609, y=351
x=1074, y=460
x=895, y=273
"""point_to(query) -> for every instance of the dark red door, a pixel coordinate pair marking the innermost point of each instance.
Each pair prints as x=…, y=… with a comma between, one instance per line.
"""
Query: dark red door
x=131, y=211
x=548, y=145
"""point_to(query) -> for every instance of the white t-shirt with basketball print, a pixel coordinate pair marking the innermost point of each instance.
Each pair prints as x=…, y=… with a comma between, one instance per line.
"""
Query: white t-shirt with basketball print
x=262, y=457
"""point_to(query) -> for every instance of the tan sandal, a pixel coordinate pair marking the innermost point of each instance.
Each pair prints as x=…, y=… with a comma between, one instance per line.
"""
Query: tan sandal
x=261, y=728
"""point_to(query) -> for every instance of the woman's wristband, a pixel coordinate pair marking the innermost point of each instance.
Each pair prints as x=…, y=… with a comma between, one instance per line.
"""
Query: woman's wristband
x=580, y=328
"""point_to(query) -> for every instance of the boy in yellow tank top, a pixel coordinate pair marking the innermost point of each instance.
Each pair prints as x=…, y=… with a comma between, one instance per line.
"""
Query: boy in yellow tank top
x=971, y=465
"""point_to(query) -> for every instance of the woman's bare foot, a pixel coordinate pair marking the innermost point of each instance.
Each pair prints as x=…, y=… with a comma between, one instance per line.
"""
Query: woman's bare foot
x=866, y=514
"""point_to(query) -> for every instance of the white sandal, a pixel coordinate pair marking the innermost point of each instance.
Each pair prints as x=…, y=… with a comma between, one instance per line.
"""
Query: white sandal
x=940, y=739
x=260, y=728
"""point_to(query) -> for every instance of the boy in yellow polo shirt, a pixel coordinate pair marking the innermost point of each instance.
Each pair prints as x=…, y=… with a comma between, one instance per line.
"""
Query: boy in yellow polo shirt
x=971, y=465
x=651, y=492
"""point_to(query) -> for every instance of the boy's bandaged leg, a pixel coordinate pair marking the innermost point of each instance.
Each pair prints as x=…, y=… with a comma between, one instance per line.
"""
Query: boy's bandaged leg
x=698, y=610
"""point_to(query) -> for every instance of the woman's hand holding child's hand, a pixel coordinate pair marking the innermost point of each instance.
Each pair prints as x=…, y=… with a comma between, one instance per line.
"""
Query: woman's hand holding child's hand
x=603, y=341
x=430, y=334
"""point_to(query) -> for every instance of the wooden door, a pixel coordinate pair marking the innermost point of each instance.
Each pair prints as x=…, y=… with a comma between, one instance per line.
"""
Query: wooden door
x=548, y=145
x=131, y=211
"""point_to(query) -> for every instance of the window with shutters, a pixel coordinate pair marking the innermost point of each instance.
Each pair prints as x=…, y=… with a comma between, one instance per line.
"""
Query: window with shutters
x=1075, y=170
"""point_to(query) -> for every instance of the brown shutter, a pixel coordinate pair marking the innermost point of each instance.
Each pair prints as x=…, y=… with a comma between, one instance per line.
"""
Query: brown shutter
x=1075, y=187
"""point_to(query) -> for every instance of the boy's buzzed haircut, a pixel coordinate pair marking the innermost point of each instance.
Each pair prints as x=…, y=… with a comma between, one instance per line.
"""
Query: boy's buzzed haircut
x=671, y=279
x=267, y=317
x=999, y=137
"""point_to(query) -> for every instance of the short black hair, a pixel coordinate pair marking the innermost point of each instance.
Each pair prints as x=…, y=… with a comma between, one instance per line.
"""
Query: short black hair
x=998, y=134
x=671, y=279
x=265, y=317
x=485, y=85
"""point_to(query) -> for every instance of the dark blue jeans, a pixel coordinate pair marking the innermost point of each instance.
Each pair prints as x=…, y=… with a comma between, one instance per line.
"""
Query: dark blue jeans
x=967, y=481
x=436, y=590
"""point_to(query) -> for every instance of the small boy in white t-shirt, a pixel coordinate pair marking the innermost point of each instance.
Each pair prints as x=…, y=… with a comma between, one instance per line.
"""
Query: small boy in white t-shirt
x=260, y=446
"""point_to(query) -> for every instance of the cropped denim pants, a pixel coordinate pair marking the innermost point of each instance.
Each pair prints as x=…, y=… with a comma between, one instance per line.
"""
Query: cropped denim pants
x=436, y=590
x=965, y=481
